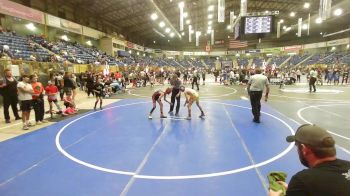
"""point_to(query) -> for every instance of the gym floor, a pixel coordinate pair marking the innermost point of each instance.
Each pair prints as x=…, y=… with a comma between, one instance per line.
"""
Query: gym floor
x=119, y=151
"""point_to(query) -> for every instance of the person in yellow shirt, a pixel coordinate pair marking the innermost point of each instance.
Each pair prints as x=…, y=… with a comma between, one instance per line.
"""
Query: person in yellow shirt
x=191, y=96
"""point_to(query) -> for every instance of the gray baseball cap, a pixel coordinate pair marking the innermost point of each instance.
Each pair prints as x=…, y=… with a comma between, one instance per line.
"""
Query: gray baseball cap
x=312, y=135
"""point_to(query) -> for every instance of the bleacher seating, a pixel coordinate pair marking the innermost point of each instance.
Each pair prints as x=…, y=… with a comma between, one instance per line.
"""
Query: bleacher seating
x=20, y=48
x=278, y=60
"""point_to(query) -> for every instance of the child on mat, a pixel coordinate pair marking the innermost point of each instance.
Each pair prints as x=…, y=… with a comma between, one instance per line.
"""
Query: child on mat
x=99, y=92
x=191, y=96
x=70, y=106
x=157, y=97
x=51, y=92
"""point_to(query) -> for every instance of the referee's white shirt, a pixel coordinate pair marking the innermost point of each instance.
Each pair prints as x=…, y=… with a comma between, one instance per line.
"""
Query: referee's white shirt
x=258, y=82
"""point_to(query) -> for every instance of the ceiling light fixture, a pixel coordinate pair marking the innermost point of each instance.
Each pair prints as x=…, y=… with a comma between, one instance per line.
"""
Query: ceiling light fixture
x=162, y=24
x=210, y=22
x=338, y=12
x=210, y=16
x=319, y=20
x=307, y=5
x=292, y=14
x=188, y=21
x=154, y=16
x=211, y=8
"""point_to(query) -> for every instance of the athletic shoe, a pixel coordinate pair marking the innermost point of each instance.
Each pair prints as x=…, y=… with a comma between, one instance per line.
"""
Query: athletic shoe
x=188, y=118
x=44, y=121
x=30, y=124
x=177, y=115
x=170, y=112
x=8, y=121
x=18, y=118
x=162, y=116
x=256, y=120
x=39, y=123
x=25, y=127
x=149, y=117
x=101, y=108
x=202, y=115
x=95, y=108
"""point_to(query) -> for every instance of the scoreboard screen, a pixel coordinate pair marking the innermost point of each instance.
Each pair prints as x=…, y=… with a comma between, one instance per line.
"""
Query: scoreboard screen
x=258, y=24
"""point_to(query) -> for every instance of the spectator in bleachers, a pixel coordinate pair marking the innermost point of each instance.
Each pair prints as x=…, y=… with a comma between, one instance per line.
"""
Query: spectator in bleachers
x=10, y=96
x=38, y=99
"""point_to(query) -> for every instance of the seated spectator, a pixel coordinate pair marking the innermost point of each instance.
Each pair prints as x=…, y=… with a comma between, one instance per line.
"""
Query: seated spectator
x=326, y=175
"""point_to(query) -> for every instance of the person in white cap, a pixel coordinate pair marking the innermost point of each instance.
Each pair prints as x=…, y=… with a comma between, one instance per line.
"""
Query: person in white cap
x=326, y=174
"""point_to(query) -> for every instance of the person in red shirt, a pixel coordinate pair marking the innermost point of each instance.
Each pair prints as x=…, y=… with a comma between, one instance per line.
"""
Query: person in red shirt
x=51, y=91
x=157, y=97
x=38, y=99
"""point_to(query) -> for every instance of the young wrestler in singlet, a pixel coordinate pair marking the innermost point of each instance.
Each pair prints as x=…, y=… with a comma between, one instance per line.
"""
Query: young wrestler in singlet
x=157, y=97
x=191, y=96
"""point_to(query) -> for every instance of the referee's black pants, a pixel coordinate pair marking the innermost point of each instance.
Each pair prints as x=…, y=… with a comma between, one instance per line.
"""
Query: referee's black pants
x=312, y=84
x=195, y=81
x=173, y=97
x=255, y=97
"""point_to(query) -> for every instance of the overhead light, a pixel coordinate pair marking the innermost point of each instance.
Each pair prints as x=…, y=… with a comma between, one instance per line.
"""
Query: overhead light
x=172, y=34
x=292, y=14
x=130, y=51
x=65, y=37
x=321, y=33
x=162, y=24
x=167, y=30
x=30, y=26
x=281, y=21
x=209, y=27
x=338, y=12
x=185, y=15
x=237, y=55
x=228, y=27
x=168, y=40
x=267, y=11
x=319, y=20
x=210, y=16
x=138, y=53
x=183, y=33
x=188, y=21
x=348, y=46
x=304, y=27
x=181, y=4
x=288, y=29
x=284, y=27
x=89, y=43
x=154, y=42
x=211, y=8
x=333, y=48
x=210, y=22
x=144, y=54
x=208, y=31
x=307, y=5
x=154, y=16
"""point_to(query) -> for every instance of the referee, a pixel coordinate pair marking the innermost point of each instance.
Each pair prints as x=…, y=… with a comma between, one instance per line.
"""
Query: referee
x=313, y=79
x=255, y=89
x=175, y=83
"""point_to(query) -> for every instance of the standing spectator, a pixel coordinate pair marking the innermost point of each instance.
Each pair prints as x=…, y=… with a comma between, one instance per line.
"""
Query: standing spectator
x=256, y=85
x=195, y=79
x=99, y=92
x=59, y=83
x=203, y=76
x=25, y=92
x=313, y=78
x=90, y=84
x=38, y=99
x=176, y=83
x=345, y=76
x=51, y=91
x=326, y=175
x=10, y=97
x=298, y=75
x=68, y=84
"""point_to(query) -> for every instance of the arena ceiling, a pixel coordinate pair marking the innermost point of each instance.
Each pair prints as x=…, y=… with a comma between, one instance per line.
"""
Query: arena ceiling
x=132, y=18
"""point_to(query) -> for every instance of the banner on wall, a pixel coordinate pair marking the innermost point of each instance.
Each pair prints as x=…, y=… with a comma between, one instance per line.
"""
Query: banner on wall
x=64, y=24
x=21, y=11
x=138, y=47
x=172, y=53
x=253, y=51
x=272, y=50
x=149, y=50
x=338, y=42
x=293, y=48
x=92, y=33
x=315, y=45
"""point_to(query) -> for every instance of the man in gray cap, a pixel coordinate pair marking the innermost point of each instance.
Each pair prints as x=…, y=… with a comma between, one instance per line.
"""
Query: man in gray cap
x=326, y=175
